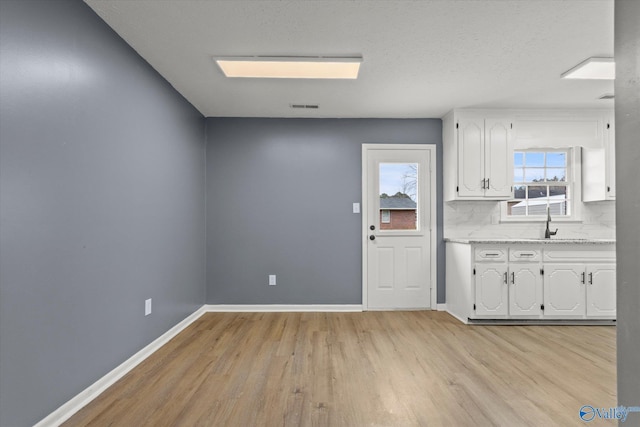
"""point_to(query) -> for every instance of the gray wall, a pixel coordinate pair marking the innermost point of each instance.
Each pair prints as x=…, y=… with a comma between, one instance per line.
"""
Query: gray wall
x=102, y=171
x=627, y=86
x=279, y=201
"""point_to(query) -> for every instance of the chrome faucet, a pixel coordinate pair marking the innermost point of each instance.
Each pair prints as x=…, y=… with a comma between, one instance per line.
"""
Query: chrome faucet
x=548, y=233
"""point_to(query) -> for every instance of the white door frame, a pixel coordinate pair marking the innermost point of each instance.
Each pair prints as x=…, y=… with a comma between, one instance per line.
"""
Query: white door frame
x=432, y=206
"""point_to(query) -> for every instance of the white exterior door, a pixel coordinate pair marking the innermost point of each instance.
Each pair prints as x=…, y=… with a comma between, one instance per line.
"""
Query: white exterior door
x=525, y=293
x=398, y=219
x=601, y=290
x=491, y=290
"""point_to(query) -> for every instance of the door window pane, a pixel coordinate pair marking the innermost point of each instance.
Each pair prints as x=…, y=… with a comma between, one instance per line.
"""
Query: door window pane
x=398, y=196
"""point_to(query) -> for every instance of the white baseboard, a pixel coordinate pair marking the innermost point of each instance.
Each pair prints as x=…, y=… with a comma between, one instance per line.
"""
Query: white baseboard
x=457, y=317
x=283, y=307
x=441, y=307
x=64, y=412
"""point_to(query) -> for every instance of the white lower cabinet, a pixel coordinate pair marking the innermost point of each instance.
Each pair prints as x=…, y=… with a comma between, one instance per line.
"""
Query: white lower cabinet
x=525, y=289
x=508, y=289
x=492, y=297
x=601, y=290
x=564, y=290
x=546, y=281
x=576, y=290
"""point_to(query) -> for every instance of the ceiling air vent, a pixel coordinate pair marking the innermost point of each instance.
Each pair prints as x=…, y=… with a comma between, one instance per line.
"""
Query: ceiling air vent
x=304, y=106
x=607, y=96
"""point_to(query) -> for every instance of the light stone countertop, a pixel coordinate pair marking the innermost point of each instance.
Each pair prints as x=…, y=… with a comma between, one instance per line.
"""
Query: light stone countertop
x=552, y=241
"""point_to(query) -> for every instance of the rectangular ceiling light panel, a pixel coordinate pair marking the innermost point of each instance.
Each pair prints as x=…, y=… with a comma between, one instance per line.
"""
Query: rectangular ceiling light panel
x=290, y=67
x=593, y=68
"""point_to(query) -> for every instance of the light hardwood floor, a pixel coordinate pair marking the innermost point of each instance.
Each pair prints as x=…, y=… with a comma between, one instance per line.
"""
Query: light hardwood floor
x=419, y=368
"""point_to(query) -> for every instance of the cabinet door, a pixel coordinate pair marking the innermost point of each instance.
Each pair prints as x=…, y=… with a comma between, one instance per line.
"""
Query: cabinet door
x=498, y=155
x=491, y=290
x=599, y=168
x=471, y=158
x=601, y=290
x=594, y=174
x=564, y=290
x=610, y=142
x=525, y=289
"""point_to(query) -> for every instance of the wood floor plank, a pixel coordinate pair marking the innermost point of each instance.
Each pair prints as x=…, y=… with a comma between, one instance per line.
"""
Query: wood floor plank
x=418, y=368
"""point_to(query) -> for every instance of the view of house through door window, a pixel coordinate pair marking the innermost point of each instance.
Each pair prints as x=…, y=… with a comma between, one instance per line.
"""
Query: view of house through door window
x=398, y=196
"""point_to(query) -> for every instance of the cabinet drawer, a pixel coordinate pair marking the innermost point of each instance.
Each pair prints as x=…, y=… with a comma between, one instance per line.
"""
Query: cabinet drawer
x=579, y=255
x=523, y=255
x=491, y=254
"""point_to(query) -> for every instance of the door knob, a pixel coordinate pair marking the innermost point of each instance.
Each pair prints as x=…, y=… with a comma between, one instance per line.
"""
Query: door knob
x=373, y=227
x=372, y=237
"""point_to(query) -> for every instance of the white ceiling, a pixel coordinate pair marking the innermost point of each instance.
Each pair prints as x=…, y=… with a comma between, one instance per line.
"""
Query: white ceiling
x=421, y=58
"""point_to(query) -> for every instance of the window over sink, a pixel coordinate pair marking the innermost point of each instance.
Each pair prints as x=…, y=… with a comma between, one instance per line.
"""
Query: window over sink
x=542, y=178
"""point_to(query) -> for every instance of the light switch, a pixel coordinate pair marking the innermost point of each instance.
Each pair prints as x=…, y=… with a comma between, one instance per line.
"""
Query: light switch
x=272, y=280
x=356, y=208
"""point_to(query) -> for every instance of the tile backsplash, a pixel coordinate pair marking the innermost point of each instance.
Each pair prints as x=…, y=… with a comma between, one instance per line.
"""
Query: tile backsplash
x=464, y=219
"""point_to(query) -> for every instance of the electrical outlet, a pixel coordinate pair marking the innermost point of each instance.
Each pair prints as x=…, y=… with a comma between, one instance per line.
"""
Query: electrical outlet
x=147, y=307
x=272, y=280
x=356, y=208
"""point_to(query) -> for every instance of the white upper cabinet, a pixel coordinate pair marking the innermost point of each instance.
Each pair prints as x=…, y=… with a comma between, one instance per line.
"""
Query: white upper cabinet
x=471, y=158
x=478, y=148
x=559, y=129
x=498, y=158
x=610, y=153
x=598, y=167
x=478, y=157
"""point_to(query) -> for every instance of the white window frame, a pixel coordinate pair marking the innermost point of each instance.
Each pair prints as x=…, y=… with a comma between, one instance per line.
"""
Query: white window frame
x=573, y=181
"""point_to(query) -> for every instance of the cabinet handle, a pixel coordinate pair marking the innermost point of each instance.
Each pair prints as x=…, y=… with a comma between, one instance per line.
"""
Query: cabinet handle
x=491, y=254
x=591, y=278
x=513, y=278
x=526, y=254
x=505, y=278
x=483, y=181
x=583, y=273
x=488, y=184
